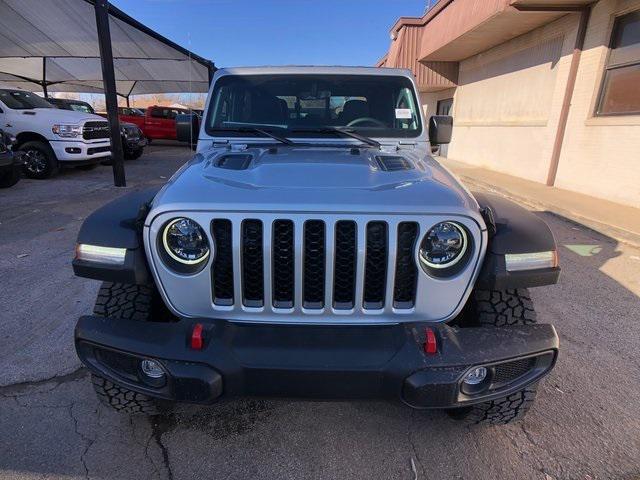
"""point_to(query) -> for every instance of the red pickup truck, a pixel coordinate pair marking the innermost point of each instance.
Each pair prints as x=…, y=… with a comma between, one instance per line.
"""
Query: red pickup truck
x=156, y=122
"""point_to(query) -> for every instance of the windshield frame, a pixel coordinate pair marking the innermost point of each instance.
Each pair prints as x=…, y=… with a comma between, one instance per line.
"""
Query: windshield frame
x=11, y=91
x=215, y=131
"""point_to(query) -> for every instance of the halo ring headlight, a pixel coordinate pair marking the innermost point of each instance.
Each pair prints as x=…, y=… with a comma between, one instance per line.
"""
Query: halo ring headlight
x=444, y=248
x=185, y=242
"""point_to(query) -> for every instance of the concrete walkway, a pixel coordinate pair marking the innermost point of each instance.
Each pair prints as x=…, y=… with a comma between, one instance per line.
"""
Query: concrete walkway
x=613, y=219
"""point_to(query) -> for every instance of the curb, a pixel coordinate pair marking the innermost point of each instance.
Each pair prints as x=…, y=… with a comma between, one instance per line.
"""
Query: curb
x=616, y=233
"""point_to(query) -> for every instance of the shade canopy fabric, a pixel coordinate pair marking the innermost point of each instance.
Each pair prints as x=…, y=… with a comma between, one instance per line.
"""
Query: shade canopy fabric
x=54, y=43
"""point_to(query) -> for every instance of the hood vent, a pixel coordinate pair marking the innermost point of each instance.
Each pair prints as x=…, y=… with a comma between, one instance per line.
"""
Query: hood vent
x=390, y=163
x=234, y=162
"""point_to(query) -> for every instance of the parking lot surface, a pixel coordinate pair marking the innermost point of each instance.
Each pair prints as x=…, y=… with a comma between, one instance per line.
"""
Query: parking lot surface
x=585, y=423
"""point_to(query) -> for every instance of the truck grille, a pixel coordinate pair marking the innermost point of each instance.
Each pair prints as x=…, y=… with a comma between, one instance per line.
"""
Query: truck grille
x=95, y=130
x=313, y=264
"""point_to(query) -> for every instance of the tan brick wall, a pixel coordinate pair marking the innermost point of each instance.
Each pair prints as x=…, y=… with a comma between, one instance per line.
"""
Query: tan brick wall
x=600, y=155
x=508, y=102
x=512, y=95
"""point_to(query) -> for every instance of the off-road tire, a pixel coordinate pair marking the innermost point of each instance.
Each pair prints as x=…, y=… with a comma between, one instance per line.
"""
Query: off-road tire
x=124, y=400
x=10, y=178
x=498, y=412
x=122, y=300
x=130, y=302
x=50, y=162
x=500, y=308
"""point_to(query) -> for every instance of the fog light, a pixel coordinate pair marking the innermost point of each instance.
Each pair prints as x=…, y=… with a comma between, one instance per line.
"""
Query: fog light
x=151, y=369
x=475, y=376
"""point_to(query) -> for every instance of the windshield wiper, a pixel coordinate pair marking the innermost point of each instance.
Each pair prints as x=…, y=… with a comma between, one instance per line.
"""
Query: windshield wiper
x=266, y=133
x=340, y=131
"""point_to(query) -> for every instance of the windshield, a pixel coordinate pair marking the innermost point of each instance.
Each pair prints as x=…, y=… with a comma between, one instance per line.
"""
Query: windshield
x=305, y=105
x=21, y=100
x=81, y=107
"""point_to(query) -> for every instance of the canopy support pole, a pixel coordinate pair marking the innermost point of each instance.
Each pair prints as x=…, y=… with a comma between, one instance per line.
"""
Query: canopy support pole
x=44, y=77
x=109, y=85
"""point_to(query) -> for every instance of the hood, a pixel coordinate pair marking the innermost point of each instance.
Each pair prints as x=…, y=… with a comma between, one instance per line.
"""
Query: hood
x=315, y=178
x=57, y=115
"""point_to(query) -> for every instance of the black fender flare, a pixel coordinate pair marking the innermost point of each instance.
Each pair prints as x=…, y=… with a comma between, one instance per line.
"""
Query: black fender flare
x=513, y=229
x=118, y=224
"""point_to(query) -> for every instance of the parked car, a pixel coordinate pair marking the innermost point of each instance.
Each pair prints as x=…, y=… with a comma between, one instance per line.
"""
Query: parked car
x=51, y=138
x=314, y=248
x=133, y=140
x=10, y=161
x=156, y=122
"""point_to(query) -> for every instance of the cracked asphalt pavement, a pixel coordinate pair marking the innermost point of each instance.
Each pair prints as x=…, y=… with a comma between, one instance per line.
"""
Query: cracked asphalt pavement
x=585, y=423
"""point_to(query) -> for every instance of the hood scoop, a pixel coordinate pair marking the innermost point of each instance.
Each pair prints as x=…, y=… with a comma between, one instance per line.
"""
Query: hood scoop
x=391, y=163
x=234, y=161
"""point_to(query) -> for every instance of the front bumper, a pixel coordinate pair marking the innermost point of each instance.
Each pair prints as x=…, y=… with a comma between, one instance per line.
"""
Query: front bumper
x=323, y=362
x=134, y=143
x=79, y=151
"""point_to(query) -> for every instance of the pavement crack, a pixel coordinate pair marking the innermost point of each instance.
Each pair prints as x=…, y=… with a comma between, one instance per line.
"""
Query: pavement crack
x=16, y=389
x=161, y=424
x=414, y=450
x=88, y=442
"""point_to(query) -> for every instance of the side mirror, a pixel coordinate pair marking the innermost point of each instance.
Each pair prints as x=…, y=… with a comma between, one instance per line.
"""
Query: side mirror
x=188, y=128
x=440, y=127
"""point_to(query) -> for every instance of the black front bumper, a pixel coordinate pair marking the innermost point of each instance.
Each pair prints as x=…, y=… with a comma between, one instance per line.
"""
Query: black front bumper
x=308, y=361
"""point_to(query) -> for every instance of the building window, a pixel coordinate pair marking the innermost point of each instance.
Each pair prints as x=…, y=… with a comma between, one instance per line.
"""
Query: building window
x=620, y=94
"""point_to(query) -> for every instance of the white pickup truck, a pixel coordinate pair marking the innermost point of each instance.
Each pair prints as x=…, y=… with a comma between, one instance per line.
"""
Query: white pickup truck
x=50, y=137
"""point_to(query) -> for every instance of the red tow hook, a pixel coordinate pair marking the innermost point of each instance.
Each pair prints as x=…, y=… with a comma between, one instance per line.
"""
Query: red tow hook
x=430, y=344
x=197, y=341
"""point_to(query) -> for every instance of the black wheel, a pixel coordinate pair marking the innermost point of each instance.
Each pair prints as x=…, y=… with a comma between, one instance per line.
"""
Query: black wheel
x=89, y=166
x=131, y=302
x=39, y=160
x=500, y=308
x=133, y=154
x=10, y=178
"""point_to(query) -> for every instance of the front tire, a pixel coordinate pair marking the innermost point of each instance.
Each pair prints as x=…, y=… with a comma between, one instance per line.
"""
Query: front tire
x=130, y=302
x=39, y=160
x=500, y=308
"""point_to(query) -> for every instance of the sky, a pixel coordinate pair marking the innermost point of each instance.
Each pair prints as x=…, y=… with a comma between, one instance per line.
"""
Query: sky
x=276, y=32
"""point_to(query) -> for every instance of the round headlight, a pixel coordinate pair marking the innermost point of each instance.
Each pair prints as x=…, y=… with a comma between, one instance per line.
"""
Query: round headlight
x=444, y=245
x=185, y=241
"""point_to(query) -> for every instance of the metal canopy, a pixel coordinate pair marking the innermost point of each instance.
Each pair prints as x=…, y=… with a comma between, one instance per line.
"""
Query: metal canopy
x=53, y=46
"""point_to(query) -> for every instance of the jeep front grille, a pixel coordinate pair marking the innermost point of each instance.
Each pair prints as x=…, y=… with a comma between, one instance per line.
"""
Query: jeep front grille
x=328, y=261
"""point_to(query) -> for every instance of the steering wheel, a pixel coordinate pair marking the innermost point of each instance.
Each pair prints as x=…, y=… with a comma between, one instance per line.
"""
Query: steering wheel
x=360, y=120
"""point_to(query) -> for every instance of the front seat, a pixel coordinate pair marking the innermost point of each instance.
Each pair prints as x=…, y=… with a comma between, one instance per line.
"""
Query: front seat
x=353, y=109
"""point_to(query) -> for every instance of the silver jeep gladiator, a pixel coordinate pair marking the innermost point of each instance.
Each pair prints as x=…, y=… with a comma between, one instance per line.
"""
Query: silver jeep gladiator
x=313, y=248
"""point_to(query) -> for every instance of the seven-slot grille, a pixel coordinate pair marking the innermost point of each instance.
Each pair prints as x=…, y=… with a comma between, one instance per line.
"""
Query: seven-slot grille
x=314, y=265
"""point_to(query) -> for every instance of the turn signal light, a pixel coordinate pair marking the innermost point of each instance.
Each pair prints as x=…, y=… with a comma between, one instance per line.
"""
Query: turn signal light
x=430, y=344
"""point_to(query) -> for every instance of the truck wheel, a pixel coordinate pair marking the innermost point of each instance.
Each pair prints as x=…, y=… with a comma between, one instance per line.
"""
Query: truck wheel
x=131, y=302
x=10, y=178
x=39, y=160
x=500, y=308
